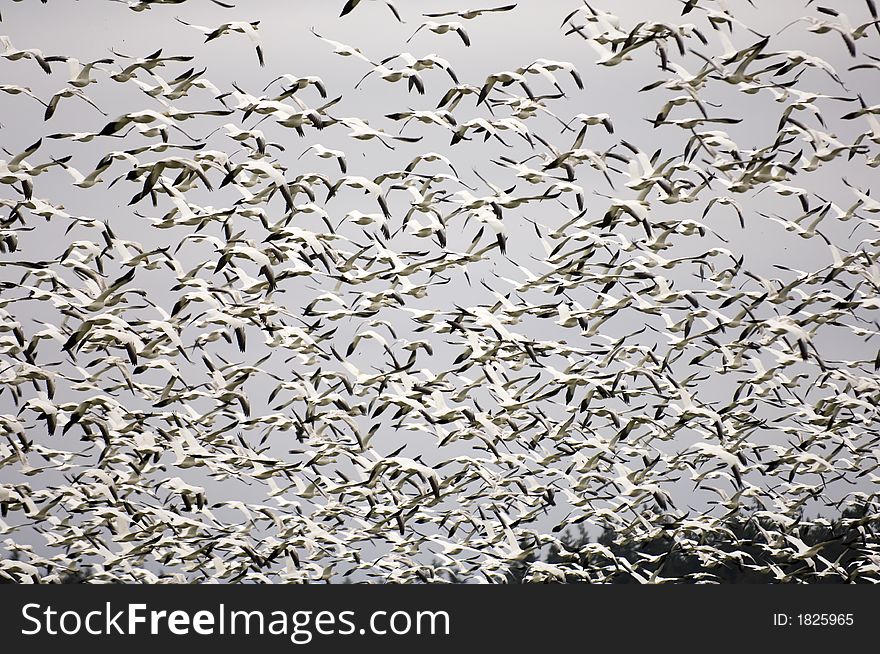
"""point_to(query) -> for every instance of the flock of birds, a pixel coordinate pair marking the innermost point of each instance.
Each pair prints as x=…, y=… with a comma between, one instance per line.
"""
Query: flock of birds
x=552, y=321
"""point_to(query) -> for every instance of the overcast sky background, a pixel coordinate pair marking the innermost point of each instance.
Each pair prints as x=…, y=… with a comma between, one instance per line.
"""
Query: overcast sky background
x=93, y=30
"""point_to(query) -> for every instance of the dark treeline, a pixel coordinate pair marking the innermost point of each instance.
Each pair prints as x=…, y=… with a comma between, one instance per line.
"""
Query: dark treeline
x=749, y=557
x=740, y=550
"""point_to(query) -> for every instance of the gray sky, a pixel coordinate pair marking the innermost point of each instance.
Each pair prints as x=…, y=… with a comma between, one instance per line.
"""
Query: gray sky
x=89, y=31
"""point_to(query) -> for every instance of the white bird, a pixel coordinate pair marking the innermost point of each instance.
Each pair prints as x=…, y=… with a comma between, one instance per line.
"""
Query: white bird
x=327, y=153
x=351, y=4
x=470, y=14
x=249, y=29
x=344, y=50
x=443, y=28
